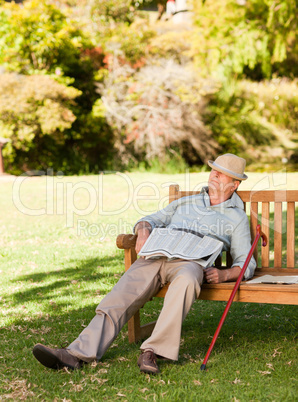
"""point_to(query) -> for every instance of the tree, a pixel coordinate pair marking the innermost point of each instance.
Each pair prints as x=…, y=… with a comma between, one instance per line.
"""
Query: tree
x=255, y=38
x=33, y=108
x=38, y=40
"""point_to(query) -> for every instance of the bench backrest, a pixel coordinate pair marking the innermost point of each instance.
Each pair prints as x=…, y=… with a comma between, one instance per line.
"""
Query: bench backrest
x=266, y=208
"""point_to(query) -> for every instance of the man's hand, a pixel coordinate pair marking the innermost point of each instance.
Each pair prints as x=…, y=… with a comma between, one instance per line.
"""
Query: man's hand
x=143, y=235
x=143, y=230
x=214, y=275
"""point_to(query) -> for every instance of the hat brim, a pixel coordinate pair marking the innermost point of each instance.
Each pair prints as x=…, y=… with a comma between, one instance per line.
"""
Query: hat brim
x=227, y=172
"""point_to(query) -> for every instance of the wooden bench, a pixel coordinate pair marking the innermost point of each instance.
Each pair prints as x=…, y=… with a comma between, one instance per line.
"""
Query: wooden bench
x=275, y=259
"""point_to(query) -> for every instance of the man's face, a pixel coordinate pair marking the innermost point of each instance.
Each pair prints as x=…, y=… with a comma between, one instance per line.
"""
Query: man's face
x=221, y=185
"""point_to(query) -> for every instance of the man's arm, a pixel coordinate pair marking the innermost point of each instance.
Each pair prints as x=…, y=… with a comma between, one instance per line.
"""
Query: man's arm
x=143, y=230
x=214, y=275
x=161, y=218
x=240, y=247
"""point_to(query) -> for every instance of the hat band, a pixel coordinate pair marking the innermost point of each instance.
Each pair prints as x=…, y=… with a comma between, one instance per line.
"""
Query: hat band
x=230, y=172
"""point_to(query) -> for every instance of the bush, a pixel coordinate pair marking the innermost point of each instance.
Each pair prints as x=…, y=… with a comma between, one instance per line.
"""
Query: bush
x=39, y=41
x=256, y=120
x=130, y=43
x=155, y=110
x=117, y=10
x=32, y=108
x=172, y=44
x=254, y=38
x=36, y=114
x=37, y=36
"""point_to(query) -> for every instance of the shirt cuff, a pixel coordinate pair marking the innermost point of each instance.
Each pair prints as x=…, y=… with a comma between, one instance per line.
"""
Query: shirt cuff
x=249, y=273
x=144, y=220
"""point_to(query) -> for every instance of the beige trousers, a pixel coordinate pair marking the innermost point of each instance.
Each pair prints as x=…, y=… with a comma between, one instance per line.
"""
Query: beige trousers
x=141, y=282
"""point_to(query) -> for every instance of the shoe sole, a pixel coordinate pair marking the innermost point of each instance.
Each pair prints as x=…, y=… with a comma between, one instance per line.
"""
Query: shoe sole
x=147, y=371
x=46, y=358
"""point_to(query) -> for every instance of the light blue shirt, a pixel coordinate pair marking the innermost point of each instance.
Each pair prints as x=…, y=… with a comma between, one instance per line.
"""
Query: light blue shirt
x=226, y=222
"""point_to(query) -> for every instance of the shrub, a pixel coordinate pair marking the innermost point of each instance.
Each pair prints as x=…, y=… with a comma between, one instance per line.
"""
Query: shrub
x=36, y=113
x=130, y=43
x=38, y=37
x=39, y=41
x=32, y=108
x=172, y=44
x=257, y=120
x=255, y=38
x=117, y=10
x=155, y=110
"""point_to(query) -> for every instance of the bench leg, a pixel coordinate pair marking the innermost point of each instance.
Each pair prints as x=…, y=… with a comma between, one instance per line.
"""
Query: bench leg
x=136, y=331
x=134, y=328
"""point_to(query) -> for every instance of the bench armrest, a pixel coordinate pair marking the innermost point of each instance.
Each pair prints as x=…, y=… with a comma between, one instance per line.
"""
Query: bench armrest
x=126, y=241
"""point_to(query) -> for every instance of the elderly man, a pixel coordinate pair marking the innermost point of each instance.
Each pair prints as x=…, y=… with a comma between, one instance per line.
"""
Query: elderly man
x=217, y=212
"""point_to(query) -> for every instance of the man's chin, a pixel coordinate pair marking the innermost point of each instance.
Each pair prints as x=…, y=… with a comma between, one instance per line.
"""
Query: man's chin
x=213, y=186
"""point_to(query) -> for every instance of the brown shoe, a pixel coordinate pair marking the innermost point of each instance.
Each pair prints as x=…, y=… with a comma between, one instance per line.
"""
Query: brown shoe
x=55, y=358
x=147, y=362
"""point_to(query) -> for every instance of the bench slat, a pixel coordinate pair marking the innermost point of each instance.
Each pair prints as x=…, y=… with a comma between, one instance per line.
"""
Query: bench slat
x=253, y=224
x=174, y=192
x=269, y=196
x=265, y=230
x=252, y=196
x=277, y=234
x=291, y=234
x=254, y=293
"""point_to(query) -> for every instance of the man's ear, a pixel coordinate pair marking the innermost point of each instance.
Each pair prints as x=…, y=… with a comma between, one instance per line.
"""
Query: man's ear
x=236, y=184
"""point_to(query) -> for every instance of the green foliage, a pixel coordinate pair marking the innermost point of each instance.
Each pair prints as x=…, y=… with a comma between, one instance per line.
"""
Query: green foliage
x=254, y=37
x=117, y=10
x=172, y=44
x=131, y=42
x=255, y=119
x=38, y=36
x=171, y=163
x=39, y=41
x=79, y=44
x=32, y=107
x=231, y=118
x=275, y=100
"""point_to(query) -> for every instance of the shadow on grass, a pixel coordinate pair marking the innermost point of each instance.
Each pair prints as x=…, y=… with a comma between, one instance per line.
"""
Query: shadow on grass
x=67, y=281
x=243, y=350
x=247, y=327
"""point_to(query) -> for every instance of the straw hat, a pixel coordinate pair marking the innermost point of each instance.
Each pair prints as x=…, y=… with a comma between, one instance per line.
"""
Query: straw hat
x=231, y=165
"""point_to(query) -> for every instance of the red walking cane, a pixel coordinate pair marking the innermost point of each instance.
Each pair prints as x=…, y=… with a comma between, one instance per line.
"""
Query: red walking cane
x=264, y=243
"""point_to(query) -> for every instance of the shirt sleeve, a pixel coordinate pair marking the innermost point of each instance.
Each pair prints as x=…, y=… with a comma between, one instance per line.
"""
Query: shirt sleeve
x=161, y=218
x=240, y=247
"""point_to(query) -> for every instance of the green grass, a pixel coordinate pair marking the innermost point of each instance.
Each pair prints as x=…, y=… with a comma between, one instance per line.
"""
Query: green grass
x=52, y=278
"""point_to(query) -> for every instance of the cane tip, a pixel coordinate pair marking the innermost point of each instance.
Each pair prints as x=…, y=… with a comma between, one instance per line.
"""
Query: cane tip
x=203, y=367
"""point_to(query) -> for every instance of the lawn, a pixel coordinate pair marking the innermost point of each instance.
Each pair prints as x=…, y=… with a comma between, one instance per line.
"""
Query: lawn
x=57, y=261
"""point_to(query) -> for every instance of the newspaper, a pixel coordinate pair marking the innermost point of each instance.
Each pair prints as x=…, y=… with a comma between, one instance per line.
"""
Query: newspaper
x=285, y=280
x=179, y=243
